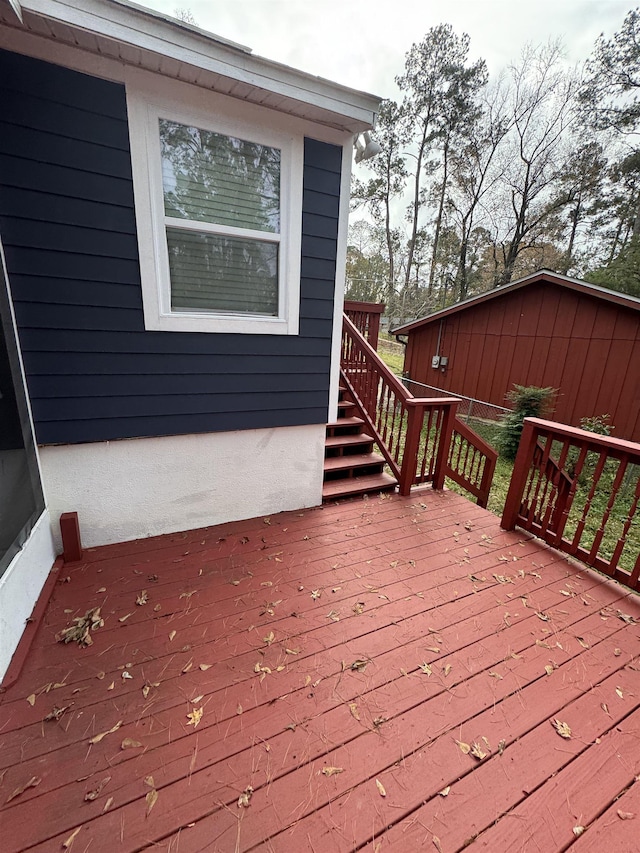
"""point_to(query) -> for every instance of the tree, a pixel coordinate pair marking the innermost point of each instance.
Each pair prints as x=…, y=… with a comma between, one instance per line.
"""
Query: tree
x=378, y=193
x=439, y=96
x=610, y=93
x=473, y=177
x=543, y=96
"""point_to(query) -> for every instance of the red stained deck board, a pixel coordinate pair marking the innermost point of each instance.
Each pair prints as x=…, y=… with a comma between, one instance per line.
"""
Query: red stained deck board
x=409, y=560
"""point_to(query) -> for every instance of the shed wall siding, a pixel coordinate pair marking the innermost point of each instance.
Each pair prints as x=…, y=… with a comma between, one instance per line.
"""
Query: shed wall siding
x=68, y=225
x=540, y=335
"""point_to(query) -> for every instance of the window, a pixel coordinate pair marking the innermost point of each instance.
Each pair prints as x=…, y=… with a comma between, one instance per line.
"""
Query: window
x=218, y=204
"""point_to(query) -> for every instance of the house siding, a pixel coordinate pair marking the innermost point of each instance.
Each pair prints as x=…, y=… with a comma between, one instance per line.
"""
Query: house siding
x=68, y=226
x=543, y=335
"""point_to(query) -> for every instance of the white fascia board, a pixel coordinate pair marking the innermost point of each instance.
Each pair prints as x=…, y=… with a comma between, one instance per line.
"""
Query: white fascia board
x=131, y=24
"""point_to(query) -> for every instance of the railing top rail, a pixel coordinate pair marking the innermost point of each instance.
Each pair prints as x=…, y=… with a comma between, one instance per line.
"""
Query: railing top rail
x=388, y=374
x=369, y=307
x=432, y=401
x=619, y=445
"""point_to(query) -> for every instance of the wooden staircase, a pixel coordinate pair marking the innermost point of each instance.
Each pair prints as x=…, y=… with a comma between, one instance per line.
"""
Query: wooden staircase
x=351, y=467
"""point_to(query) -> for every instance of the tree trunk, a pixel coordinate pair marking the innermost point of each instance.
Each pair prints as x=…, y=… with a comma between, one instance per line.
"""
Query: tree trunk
x=436, y=236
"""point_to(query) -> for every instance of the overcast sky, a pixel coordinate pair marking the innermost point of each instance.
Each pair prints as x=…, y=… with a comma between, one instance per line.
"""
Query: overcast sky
x=362, y=44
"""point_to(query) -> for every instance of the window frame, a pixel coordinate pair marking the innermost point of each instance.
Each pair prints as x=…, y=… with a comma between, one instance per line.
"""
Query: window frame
x=225, y=116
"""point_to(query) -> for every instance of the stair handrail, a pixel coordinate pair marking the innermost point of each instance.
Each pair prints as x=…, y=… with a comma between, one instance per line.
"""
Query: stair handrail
x=420, y=437
x=413, y=433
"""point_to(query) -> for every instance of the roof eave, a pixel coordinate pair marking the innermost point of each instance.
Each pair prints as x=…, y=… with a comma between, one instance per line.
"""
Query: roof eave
x=130, y=24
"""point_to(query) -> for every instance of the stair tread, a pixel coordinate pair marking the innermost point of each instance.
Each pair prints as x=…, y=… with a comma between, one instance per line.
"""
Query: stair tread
x=360, y=460
x=357, y=485
x=347, y=440
x=344, y=422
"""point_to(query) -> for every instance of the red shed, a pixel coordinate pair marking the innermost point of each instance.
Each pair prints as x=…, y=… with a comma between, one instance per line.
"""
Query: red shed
x=544, y=329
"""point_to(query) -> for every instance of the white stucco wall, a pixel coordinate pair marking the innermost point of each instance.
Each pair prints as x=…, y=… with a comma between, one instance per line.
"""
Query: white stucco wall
x=20, y=587
x=135, y=488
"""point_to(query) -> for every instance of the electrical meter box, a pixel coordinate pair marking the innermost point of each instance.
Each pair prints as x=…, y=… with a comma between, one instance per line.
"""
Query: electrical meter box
x=435, y=361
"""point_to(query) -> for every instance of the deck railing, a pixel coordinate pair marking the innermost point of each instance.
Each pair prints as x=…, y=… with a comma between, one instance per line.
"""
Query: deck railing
x=580, y=492
x=414, y=433
x=365, y=316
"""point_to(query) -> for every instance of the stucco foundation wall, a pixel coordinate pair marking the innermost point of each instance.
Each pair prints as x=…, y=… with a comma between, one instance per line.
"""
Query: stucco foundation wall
x=143, y=487
x=21, y=585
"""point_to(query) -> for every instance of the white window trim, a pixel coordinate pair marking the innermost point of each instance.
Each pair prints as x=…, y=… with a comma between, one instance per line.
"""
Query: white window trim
x=220, y=115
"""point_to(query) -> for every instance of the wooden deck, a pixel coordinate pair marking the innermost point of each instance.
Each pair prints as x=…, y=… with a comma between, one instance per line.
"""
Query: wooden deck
x=336, y=670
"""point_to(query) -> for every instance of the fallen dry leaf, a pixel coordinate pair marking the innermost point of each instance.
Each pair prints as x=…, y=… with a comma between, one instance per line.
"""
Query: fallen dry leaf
x=332, y=771
x=464, y=747
x=359, y=665
x=381, y=788
x=436, y=843
x=142, y=598
x=619, y=692
x=583, y=643
x=148, y=781
x=358, y=607
x=194, y=717
x=151, y=798
x=630, y=620
x=549, y=669
x=578, y=830
x=98, y=738
x=315, y=594
x=269, y=638
x=478, y=752
x=497, y=675
x=542, y=616
x=205, y=666
x=354, y=711
x=56, y=713
x=626, y=815
x=130, y=743
x=245, y=797
x=562, y=728
x=93, y=795
x=124, y=618
x=446, y=669
x=502, y=744
x=31, y=699
x=425, y=668
x=445, y=791
x=67, y=844
x=171, y=635
x=81, y=631
x=333, y=615
x=292, y=651
x=107, y=805
x=32, y=783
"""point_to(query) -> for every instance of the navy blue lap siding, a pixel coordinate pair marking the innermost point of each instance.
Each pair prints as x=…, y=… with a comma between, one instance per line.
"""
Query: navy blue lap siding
x=68, y=227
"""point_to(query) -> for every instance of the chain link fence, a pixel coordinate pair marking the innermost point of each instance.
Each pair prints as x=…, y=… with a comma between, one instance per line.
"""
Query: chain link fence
x=482, y=417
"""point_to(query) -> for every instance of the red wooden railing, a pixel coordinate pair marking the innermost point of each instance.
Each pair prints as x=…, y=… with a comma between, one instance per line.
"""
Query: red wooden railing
x=413, y=433
x=365, y=316
x=471, y=462
x=580, y=492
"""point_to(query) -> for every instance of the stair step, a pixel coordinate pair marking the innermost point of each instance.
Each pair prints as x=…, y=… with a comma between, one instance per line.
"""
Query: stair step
x=350, y=440
x=357, y=486
x=346, y=463
x=345, y=424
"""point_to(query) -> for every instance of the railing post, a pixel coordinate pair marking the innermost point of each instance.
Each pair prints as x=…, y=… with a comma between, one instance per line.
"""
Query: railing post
x=444, y=445
x=415, y=417
x=374, y=330
x=521, y=467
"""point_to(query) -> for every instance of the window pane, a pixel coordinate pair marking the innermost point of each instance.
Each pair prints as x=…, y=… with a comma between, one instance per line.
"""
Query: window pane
x=220, y=179
x=214, y=273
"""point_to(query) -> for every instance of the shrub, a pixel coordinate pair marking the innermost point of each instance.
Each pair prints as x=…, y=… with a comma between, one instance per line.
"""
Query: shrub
x=528, y=402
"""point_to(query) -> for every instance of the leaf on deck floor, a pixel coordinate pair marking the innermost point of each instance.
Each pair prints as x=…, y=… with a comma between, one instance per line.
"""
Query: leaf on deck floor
x=445, y=791
x=125, y=617
x=332, y=771
x=67, y=844
x=359, y=665
x=142, y=598
x=80, y=633
x=31, y=699
x=333, y=615
x=626, y=815
x=358, y=607
x=195, y=716
x=204, y=666
x=381, y=788
x=562, y=729
x=32, y=783
x=425, y=668
x=578, y=830
x=465, y=748
x=130, y=743
x=98, y=738
x=630, y=620
x=315, y=594
x=151, y=799
x=245, y=797
x=56, y=713
x=354, y=711
x=436, y=843
x=93, y=795
x=478, y=752
x=269, y=638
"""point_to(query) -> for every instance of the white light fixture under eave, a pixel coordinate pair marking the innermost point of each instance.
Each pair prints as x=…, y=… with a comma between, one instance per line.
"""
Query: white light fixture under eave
x=367, y=149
